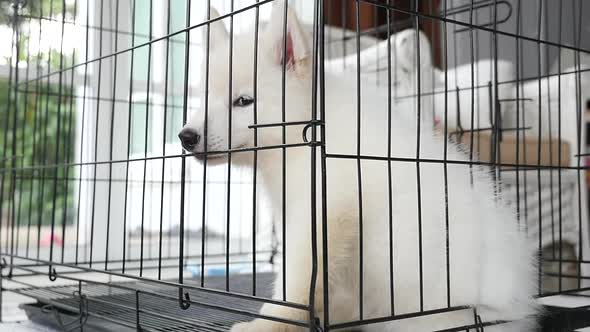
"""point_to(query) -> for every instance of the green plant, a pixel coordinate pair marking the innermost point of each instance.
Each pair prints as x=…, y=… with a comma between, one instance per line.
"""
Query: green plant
x=34, y=122
x=35, y=8
x=44, y=122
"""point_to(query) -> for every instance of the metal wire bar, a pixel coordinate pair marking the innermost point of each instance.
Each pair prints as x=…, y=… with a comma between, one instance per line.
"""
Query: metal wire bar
x=136, y=310
x=255, y=155
x=445, y=156
x=110, y=100
x=418, y=145
x=45, y=141
x=500, y=82
x=22, y=151
x=373, y=2
x=550, y=133
x=205, y=143
x=14, y=41
x=146, y=137
x=398, y=317
x=12, y=188
x=578, y=91
x=178, y=156
x=68, y=148
x=112, y=129
x=154, y=40
x=318, y=19
x=89, y=26
x=322, y=114
x=55, y=174
x=229, y=143
x=128, y=267
x=539, y=184
x=389, y=172
x=358, y=153
x=139, y=309
x=183, y=297
x=133, y=18
x=164, y=127
x=494, y=30
x=283, y=46
x=169, y=283
x=456, y=162
x=559, y=141
x=96, y=130
x=34, y=144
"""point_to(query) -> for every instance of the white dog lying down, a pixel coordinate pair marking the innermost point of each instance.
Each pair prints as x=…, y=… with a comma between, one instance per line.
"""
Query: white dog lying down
x=404, y=70
x=459, y=79
x=374, y=66
x=534, y=101
x=373, y=61
x=492, y=267
x=561, y=101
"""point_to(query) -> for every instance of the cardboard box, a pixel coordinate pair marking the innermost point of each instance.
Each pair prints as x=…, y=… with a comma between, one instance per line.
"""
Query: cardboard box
x=528, y=149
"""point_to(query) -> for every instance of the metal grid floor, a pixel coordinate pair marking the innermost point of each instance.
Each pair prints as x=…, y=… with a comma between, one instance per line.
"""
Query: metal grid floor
x=113, y=306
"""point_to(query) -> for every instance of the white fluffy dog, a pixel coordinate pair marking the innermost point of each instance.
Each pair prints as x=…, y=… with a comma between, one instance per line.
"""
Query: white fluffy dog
x=490, y=264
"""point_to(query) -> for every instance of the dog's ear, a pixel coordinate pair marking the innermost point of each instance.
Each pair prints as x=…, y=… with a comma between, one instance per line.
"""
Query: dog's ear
x=217, y=32
x=293, y=49
x=406, y=51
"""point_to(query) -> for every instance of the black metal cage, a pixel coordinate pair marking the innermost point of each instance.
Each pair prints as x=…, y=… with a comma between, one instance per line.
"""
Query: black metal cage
x=105, y=220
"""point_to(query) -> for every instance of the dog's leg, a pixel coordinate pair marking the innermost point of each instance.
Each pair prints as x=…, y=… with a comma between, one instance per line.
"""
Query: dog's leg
x=341, y=248
x=298, y=292
x=281, y=312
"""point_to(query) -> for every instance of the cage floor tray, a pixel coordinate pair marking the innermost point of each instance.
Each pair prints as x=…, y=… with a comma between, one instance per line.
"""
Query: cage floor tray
x=114, y=309
x=111, y=308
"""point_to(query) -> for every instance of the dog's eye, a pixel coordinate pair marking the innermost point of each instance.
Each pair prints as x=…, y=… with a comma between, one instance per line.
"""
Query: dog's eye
x=243, y=101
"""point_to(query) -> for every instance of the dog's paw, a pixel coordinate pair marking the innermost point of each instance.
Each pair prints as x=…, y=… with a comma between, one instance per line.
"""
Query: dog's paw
x=259, y=325
x=241, y=327
x=255, y=325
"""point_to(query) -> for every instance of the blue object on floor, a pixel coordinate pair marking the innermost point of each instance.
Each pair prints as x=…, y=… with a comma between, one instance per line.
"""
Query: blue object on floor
x=219, y=270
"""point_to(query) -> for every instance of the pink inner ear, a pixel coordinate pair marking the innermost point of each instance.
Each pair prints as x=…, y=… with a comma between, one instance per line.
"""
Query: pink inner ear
x=290, y=52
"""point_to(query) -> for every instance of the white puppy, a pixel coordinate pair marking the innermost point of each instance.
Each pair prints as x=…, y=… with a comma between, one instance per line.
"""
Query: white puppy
x=491, y=265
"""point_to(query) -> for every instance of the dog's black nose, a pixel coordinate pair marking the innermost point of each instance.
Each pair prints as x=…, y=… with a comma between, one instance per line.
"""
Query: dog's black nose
x=189, y=139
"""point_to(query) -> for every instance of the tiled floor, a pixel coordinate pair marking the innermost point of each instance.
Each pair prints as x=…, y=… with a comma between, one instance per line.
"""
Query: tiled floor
x=25, y=326
x=14, y=319
x=10, y=309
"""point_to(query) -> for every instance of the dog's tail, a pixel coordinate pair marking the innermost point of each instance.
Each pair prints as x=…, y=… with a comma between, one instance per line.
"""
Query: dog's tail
x=508, y=277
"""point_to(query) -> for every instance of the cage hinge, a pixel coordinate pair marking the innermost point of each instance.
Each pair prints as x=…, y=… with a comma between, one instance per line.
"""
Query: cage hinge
x=3, y=265
x=317, y=326
x=52, y=274
x=306, y=129
x=75, y=323
x=478, y=322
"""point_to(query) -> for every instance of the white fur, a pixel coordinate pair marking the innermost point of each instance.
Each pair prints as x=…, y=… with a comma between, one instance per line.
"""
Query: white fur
x=491, y=263
x=402, y=47
x=559, y=101
x=482, y=87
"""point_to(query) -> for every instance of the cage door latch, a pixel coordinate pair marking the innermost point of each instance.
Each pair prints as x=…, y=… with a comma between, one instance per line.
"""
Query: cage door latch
x=306, y=129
